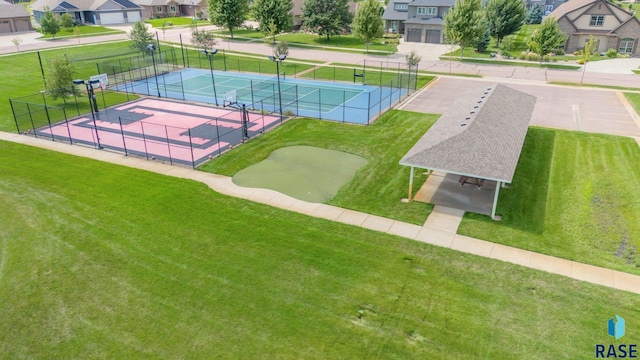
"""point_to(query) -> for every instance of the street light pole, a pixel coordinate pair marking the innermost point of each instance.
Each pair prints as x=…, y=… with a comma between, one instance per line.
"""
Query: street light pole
x=152, y=49
x=210, y=54
x=93, y=104
x=278, y=60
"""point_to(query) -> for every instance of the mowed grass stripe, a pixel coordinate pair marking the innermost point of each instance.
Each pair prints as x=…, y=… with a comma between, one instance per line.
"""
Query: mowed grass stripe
x=106, y=261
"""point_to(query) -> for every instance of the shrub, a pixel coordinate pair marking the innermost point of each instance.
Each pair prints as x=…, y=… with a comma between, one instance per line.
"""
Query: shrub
x=581, y=61
x=558, y=51
x=523, y=55
x=611, y=53
x=546, y=58
x=578, y=52
x=531, y=56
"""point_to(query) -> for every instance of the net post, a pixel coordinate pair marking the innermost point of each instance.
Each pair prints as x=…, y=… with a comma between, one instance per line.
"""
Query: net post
x=15, y=119
x=124, y=143
x=193, y=161
x=166, y=133
x=144, y=140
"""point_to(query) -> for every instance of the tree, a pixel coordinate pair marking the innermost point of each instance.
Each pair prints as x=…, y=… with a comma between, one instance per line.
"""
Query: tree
x=368, y=24
x=270, y=34
x=326, y=17
x=140, y=37
x=49, y=23
x=277, y=12
x=66, y=20
x=203, y=39
x=546, y=37
x=483, y=42
x=589, y=49
x=464, y=23
x=535, y=15
x=281, y=48
x=17, y=41
x=412, y=59
x=60, y=80
x=77, y=32
x=504, y=17
x=507, y=45
x=229, y=14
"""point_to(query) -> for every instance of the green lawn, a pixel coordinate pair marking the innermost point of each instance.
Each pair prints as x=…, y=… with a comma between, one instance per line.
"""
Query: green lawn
x=378, y=187
x=575, y=196
x=346, y=41
x=175, y=21
x=245, y=33
x=92, y=30
x=634, y=99
x=102, y=261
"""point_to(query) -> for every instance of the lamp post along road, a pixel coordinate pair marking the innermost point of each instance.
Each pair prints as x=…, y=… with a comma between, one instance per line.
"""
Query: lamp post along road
x=278, y=60
x=209, y=54
x=93, y=104
x=152, y=49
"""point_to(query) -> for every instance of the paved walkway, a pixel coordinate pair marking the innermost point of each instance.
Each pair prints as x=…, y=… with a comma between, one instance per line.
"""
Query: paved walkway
x=439, y=229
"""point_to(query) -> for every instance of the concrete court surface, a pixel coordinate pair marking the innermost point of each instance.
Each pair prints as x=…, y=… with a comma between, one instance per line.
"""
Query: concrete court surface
x=444, y=189
x=591, y=110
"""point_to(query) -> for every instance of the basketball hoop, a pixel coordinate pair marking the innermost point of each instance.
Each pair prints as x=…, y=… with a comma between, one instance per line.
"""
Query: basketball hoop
x=230, y=98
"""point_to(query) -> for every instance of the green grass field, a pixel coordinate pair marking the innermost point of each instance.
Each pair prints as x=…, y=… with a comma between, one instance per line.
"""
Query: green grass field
x=378, y=187
x=373, y=76
x=102, y=261
x=575, y=196
x=93, y=30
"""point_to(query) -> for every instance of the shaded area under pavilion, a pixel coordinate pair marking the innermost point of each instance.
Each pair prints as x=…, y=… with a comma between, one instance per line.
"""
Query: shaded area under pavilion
x=473, y=149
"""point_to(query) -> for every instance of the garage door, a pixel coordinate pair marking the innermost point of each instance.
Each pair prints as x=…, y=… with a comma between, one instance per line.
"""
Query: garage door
x=5, y=27
x=23, y=25
x=133, y=16
x=433, y=37
x=414, y=35
x=111, y=18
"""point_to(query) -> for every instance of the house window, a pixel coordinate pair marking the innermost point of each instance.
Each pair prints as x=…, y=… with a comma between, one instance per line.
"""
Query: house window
x=596, y=20
x=158, y=9
x=172, y=8
x=432, y=11
x=401, y=6
x=626, y=46
x=548, y=8
x=422, y=11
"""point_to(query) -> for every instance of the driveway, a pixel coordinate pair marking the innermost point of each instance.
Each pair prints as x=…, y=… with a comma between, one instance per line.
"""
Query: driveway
x=591, y=110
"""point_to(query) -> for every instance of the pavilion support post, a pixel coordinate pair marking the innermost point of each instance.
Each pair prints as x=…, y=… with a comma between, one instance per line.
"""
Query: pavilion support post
x=410, y=183
x=495, y=200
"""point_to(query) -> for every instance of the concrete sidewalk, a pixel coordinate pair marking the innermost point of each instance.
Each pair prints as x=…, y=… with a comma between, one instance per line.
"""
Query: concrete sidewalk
x=439, y=229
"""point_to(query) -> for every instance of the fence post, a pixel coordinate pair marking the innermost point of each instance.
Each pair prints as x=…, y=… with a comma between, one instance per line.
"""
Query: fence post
x=124, y=143
x=224, y=59
x=334, y=74
x=259, y=67
x=344, y=105
x=46, y=112
x=66, y=122
x=33, y=126
x=144, y=140
x=297, y=101
x=193, y=161
x=320, y=103
x=184, y=63
x=166, y=133
x=181, y=86
x=218, y=137
x=239, y=70
x=15, y=119
x=369, y=108
x=251, y=87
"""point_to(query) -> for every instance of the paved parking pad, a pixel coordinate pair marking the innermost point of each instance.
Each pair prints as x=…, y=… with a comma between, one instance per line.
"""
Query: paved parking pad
x=591, y=110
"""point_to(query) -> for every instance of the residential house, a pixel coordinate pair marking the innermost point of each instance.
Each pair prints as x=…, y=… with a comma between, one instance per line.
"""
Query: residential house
x=154, y=9
x=611, y=26
x=14, y=18
x=547, y=5
x=98, y=12
x=418, y=20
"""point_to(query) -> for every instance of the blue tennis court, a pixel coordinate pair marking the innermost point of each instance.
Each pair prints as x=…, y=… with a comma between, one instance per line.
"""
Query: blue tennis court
x=344, y=102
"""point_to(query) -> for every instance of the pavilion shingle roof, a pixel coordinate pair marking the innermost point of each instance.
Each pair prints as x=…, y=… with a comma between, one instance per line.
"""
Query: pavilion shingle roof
x=481, y=135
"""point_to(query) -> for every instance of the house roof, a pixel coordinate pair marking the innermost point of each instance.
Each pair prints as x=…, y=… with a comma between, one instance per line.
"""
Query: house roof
x=426, y=21
x=481, y=135
x=570, y=6
x=12, y=11
x=390, y=12
x=448, y=3
x=78, y=5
